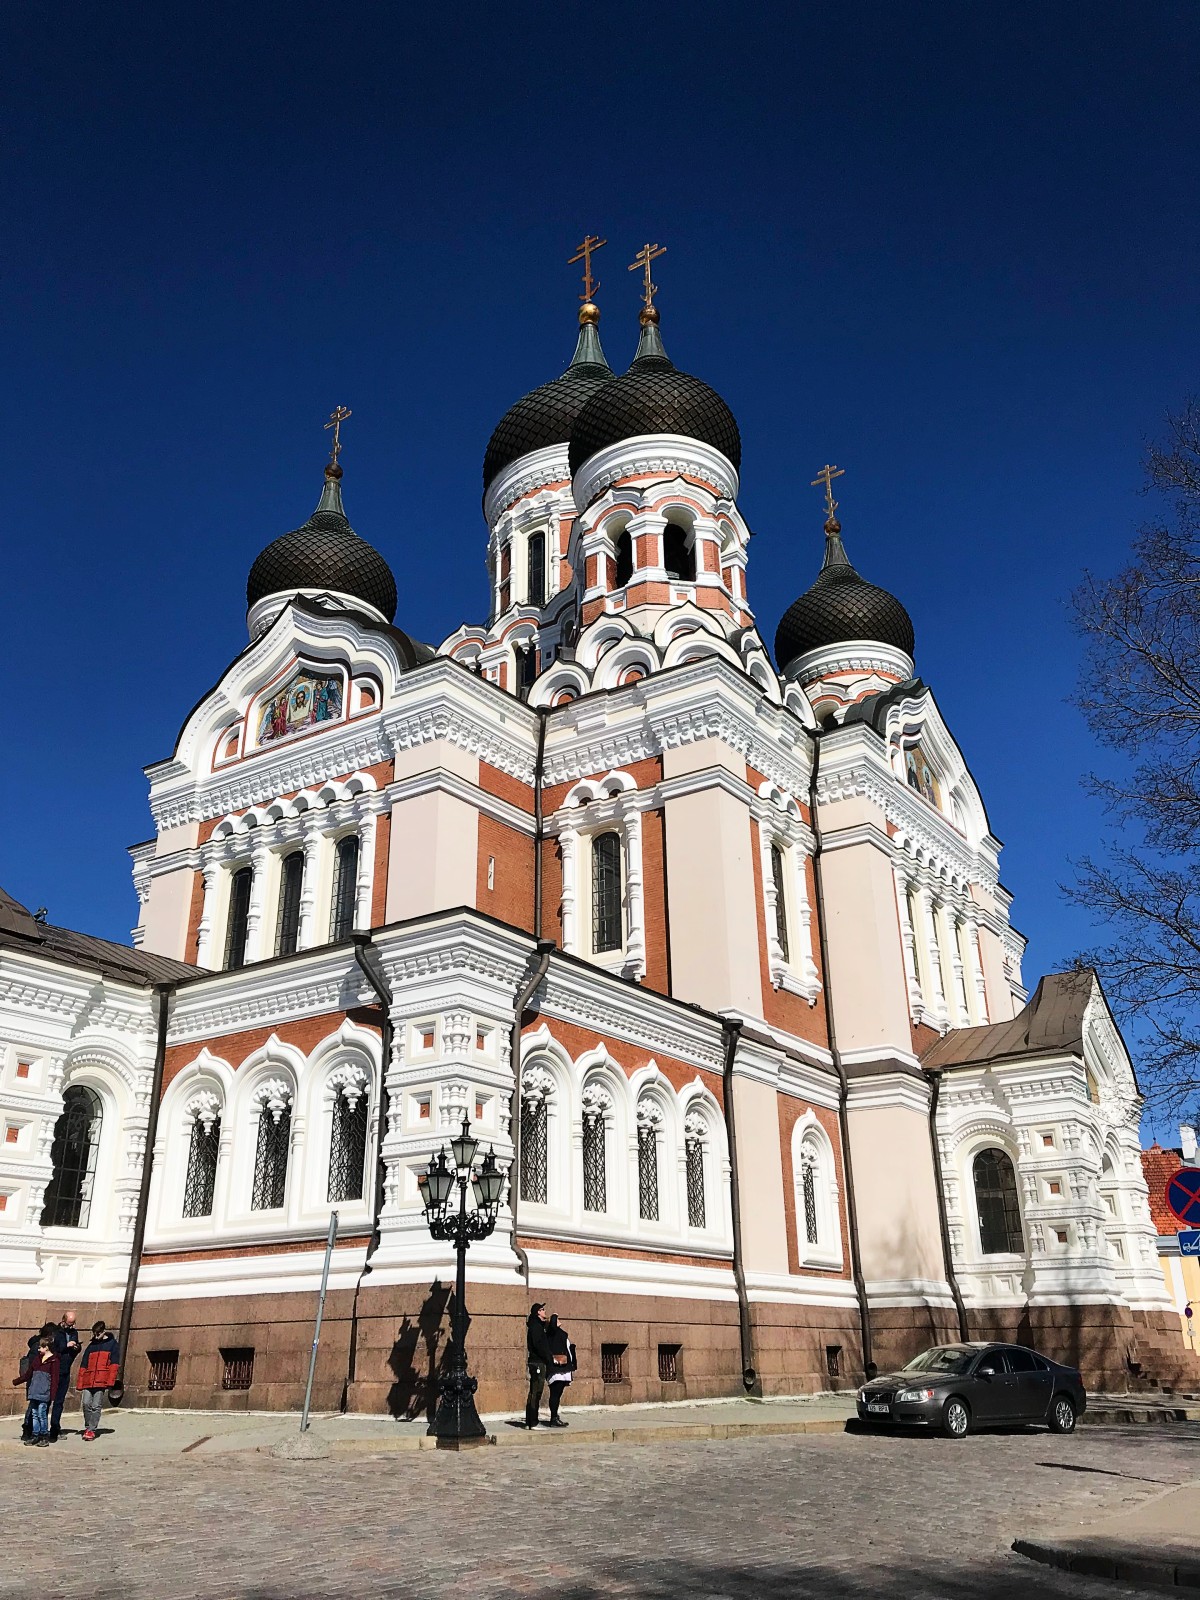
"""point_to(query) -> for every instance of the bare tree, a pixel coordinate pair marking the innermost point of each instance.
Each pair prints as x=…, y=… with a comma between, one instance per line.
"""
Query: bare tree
x=1141, y=696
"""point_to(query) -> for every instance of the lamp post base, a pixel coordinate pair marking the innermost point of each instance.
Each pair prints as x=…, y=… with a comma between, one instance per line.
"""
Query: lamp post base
x=464, y=1444
x=456, y=1421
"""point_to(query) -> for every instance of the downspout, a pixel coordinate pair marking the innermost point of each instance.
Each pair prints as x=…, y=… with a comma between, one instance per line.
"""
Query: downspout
x=731, y=1029
x=163, y=993
x=540, y=961
x=366, y=958
x=860, y=1287
x=935, y=1079
x=539, y=767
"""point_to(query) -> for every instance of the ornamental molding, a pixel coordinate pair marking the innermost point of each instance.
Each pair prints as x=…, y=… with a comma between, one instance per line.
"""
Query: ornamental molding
x=540, y=469
x=596, y=1102
x=203, y=1106
x=350, y=1082
x=660, y=455
x=273, y=1095
x=696, y=1129
x=850, y=655
x=537, y=1084
x=649, y=1115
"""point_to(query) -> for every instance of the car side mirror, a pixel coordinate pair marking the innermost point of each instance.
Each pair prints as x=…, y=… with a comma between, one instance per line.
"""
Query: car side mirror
x=986, y=1372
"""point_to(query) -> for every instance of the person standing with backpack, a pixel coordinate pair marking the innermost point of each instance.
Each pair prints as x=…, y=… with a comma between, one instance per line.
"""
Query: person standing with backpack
x=30, y=1355
x=41, y=1384
x=99, y=1371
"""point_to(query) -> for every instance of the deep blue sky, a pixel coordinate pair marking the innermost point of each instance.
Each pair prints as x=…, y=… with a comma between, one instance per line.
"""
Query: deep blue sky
x=950, y=247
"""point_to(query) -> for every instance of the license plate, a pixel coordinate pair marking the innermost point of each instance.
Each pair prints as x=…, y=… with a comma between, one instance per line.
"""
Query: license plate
x=878, y=1405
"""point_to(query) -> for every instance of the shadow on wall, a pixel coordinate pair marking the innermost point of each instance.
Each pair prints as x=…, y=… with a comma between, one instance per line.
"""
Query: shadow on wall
x=415, y=1358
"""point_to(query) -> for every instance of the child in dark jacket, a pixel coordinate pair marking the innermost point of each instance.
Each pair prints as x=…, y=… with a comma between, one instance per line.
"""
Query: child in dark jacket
x=41, y=1383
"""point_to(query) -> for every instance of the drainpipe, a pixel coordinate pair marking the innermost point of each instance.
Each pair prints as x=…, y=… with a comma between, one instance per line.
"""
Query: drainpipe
x=163, y=993
x=935, y=1079
x=731, y=1030
x=539, y=767
x=539, y=962
x=860, y=1287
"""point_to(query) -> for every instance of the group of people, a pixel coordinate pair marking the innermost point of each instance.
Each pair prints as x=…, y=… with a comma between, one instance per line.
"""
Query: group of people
x=552, y=1364
x=46, y=1374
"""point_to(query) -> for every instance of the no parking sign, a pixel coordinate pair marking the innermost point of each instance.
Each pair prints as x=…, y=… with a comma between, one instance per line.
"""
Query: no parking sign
x=1183, y=1195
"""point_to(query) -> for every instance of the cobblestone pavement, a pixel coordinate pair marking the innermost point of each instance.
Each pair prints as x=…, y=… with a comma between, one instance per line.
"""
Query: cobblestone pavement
x=898, y=1518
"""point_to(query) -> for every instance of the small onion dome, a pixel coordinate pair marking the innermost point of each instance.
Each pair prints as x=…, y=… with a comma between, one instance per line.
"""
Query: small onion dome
x=839, y=607
x=546, y=415
x=325, y=555
x=654, y=397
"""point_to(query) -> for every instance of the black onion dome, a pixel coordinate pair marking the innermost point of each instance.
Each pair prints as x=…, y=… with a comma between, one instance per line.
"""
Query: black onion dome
x=841, y=606
x=546, y=416
x=654, y=397
x=325, y=554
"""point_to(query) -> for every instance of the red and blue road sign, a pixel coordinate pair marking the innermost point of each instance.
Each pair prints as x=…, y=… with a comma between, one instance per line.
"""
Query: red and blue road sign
x=1183, y=1195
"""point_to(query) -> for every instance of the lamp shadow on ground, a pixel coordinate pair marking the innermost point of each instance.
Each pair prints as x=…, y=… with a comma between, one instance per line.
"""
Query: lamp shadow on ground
x=418, y=1357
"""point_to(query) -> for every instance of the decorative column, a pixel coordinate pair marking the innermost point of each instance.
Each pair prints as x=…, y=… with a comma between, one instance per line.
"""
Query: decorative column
x=635, y=935
x=366, y=871
x=928, y=920
x=211, y=871
x=977, y=968
x=568, y=844
x=908, y=938
x=808, y=965
x=953, y=925
x=306, y=934
x=259, y=858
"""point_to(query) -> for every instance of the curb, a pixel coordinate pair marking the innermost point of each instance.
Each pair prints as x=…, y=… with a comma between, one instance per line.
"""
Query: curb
x=1107, y=1559
x=545, y=1439
x=1109, y=1414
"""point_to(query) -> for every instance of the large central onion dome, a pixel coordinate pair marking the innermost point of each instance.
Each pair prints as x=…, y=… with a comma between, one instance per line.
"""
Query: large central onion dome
x=325, y=556
x=546, y=416
x=841, y=607
x=654, y=397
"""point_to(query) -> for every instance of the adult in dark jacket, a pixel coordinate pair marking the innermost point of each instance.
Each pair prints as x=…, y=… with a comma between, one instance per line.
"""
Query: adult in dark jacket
x=539, y=1357
x=99, y=1370
x=563, y=1353
x=67, y=1345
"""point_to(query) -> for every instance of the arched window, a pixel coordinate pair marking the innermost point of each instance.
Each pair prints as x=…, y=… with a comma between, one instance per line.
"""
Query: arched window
x=694, y=1131
x=781, y=922
x=997, y=1203
x=607, y=920
x=596, y=1103
x=291, y=878
x=345, y=888
x=808, y=1194
x=348, y=1139
x=204, y=1147
x=272, y=1146
x=624, y=559
x=649, y=1120
x=527, y=665
x=537, y=569
x=679, y=556
x=239, y=916
x=73, y=1156
x=815, y=1192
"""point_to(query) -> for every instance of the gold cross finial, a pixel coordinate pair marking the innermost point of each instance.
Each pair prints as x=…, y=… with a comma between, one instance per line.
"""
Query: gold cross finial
x=336, y=418
x=647, y=254
x=826, y=476
x=590, y=284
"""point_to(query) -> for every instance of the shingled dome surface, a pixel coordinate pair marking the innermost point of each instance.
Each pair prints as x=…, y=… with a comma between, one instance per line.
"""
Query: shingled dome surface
x=839, y=607
x=546, y=415
x=326, y=555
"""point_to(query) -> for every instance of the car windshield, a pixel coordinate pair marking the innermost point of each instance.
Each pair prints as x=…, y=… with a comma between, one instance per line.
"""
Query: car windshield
x=943, y=1358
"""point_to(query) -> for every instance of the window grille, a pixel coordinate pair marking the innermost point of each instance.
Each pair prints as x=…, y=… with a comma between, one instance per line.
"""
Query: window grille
x=695, y=1182
x=73, y=1155
x=606, y=893
x=164, y=1369
x=612, y=1363
x=345, y=888
x=291, y=879
x=668, y=1363
x=808, y=1185
x=271, y=1160
x=535, y=1118
x=537, y=569
x=997, y=1203
x=595, y=1191
x=239, y=1368
x=239, y=917
x=347, y=1148
x=624, y=559
x=833, y=1360
x=781, y=924
x=679, y=557
x=648, y=1174
x=201, y=1181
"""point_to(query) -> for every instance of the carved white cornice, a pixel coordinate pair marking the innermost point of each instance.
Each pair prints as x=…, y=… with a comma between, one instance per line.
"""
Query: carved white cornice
x=540, y=469
x=850, y=655
x=662, y=455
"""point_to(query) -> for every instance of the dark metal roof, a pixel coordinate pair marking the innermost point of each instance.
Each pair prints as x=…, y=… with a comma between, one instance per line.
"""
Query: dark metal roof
x=840, y=606
x=546, y=415
x=325, y=553
x=20, y=931
x=1051, y=1022
x=654, y=397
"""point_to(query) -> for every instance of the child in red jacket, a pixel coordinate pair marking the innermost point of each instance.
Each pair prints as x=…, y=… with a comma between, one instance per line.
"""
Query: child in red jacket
x=99, y=1371
x=41, y=1384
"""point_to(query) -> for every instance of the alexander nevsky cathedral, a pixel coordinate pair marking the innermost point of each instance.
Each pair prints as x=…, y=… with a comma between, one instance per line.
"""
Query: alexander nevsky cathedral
x=705, y=939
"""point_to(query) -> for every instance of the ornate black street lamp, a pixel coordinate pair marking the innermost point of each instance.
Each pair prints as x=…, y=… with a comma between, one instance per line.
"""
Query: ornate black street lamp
x=456, y=1421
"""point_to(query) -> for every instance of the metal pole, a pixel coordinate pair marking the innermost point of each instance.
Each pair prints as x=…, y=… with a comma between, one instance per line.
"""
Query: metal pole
x=312, y=1360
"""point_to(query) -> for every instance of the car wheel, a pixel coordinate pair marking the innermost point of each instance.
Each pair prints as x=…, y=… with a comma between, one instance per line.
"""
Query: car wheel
x=956, y=1419
x=1062, y=1415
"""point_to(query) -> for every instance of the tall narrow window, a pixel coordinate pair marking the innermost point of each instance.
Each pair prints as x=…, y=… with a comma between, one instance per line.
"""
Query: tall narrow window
x=348, y=1145
x=595, y=1184
x=679, y=557
x=624, y=559
x=201, y=1182
x=537, y=569
x=239, y=916
x=271, y=1158
x=345, y=888
x=527, y=666
x=808, y=1190
x=694, y=1173
x=781, y=921
x=534, y=1150
x=291, y=878
x=997, y=1203
x=73, y=1157
x=607, y=929
x=647, y=1136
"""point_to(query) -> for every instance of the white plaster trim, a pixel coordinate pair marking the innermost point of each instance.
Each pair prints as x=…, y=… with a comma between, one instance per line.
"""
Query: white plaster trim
x=654, y=454
x=540, y=469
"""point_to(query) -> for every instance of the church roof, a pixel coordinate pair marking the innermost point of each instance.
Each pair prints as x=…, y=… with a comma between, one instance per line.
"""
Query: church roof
x=654, y=397
x=840, y=606
x=1051, y=1023
x=1159, y=1166
x=325, y=553
x=546, y=415
x=21, y=931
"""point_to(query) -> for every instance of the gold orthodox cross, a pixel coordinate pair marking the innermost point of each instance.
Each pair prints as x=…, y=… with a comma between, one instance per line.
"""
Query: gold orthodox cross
x=590, y=284
x=826, y=476
x=336, y=418
x=647, y=254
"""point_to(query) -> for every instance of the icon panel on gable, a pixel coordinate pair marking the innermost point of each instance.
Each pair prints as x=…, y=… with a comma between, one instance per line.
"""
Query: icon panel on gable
x=305, y=700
